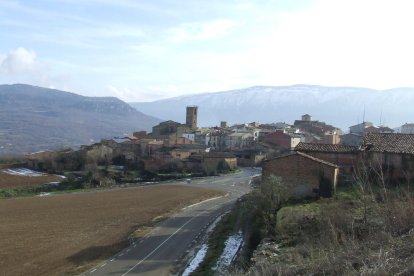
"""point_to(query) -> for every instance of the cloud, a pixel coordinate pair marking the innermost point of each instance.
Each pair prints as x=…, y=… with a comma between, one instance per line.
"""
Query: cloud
x=143, y=94
x=202, y=31
x=21, y=65
x=19, y=61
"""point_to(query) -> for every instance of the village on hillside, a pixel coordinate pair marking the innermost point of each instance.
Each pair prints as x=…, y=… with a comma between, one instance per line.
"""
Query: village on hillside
x=309, y=153
x=295, y=189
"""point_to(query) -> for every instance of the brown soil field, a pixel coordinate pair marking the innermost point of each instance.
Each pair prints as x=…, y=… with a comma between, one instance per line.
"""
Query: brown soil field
x=66, y=234
x=15, y=181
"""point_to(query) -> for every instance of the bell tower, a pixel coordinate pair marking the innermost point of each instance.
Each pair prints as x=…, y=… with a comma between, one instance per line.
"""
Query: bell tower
x=191, y=118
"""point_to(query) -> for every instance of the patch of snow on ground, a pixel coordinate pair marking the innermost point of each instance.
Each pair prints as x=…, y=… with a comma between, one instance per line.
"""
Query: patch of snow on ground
x=28, y=172
x=22, y=172
x=232, y=246
x=199, y=257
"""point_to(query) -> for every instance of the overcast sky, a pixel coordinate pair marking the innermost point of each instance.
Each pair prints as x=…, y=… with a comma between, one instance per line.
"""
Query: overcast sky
x=143, y=50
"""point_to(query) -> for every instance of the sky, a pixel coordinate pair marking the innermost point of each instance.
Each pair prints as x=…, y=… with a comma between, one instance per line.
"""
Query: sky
x=144, y=50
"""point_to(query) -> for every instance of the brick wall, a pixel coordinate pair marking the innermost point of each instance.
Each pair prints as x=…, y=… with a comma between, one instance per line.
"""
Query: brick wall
x=278, y=138
x=346, y=161
x=304, y=176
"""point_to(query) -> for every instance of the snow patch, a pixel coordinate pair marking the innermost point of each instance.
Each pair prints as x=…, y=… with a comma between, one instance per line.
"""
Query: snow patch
x=28, y=172
x=232, y=246
x=23, y=172
x=199, y=257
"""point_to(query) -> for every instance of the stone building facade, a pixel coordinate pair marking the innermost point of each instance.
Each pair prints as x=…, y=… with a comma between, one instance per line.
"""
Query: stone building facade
x=304, y=175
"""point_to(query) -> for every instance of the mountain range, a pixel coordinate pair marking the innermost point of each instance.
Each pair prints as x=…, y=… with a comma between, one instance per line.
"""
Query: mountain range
x=339, y=106
x=35, y=118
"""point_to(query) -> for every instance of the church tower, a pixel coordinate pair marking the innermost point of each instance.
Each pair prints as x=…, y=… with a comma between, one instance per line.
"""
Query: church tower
x=191, y=118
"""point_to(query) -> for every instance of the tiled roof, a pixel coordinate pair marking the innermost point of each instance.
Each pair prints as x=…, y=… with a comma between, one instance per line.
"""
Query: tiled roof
x=306, y=147
x=189, y=146
x=389, y=142
x=303, y=155
x=219, y=155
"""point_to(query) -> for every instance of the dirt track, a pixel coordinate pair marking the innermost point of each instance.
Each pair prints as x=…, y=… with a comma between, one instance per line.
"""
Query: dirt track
x=56, y=234
x=14, y=181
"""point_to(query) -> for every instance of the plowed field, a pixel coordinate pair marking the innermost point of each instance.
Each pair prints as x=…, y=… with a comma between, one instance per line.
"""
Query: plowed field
x=59, y=234
x=14, y=181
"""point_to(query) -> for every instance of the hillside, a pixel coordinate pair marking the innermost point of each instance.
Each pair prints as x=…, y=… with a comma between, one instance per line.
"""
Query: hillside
x=340, y=106
x=34, y=118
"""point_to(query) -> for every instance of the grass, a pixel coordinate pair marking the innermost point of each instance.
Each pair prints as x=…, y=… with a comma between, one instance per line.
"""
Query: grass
x=350, y=234
x=216, y=243
x=63, y=187
x=243, y=216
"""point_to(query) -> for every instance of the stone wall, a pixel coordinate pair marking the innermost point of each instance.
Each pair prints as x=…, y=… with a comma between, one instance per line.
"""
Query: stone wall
x=305, y=177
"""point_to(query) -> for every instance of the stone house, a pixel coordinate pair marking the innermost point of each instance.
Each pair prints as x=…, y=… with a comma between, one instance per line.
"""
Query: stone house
x=186, y=150
x=216, y=138
x=99, y=153
x=239, y=140
x=351, y=139
x=360, y=128
x=173, y=140
x=213, y=162
x=249, y=157
x=331, y=137
x=346, y=157
x=169, y=130
x=282, y=140
x=149, y=146
x=392, y=152
x=306, y=124
x=305, y=176
x=189, y=135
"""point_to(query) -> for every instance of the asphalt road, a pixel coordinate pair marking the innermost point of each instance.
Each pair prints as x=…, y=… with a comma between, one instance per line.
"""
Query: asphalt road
x=165, y=246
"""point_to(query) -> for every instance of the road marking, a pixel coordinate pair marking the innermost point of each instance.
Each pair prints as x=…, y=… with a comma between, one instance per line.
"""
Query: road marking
x=201, y=202
x=190, y=245
x=159, y=246
x=103, y=265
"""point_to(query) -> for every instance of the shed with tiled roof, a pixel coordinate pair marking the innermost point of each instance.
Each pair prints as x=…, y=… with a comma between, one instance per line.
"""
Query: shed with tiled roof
x=304, y=175
x=315, y=147
x=342, y=155
x=393, y=153
x=389, y=142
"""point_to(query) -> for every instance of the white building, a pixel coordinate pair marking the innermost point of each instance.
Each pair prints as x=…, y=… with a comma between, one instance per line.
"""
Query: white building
x=239, y=140
x=189, y=136
x=407, y=128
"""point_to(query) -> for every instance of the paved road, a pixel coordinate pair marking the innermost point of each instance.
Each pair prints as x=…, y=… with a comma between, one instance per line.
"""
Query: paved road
x=159, y=252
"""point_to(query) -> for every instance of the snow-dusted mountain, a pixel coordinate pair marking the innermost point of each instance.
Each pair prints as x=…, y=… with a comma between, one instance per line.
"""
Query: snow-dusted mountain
x=340, y=106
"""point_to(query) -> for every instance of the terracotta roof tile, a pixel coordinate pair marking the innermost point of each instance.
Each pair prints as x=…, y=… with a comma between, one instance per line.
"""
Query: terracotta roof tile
x=303, y=155
x=314, y=147
x=389, y=142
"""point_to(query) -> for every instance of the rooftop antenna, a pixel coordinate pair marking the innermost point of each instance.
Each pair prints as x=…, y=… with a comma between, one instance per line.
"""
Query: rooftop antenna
x=381, y=117
x=363, y=116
